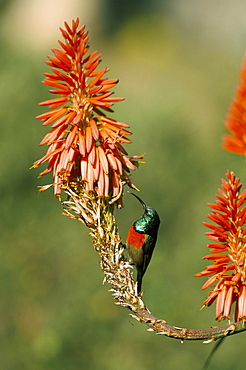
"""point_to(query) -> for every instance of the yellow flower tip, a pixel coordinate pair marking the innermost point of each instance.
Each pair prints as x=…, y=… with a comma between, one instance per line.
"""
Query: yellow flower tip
x=134, y=187
x=33, y=166
x=198, y=274
x=44, y=187
x=139, y=156
x=203, y=306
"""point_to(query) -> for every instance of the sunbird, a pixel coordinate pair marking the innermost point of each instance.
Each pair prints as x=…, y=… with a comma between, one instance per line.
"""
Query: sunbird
x=141, y=240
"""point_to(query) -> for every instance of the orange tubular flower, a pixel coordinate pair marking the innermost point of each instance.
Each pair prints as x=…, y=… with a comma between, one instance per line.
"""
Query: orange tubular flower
x=236, y=119
x=84, y=145
x=228, y=250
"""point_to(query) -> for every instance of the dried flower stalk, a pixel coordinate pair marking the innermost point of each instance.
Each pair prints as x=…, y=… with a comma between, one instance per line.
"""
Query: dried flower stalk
x=98, y=216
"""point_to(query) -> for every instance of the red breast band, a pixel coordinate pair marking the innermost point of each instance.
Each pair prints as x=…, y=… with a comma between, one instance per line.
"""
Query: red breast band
x=135, y=239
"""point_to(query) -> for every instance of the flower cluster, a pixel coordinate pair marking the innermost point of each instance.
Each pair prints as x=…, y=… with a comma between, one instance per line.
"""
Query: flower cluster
x=84, y=145
x=236, y=118
x=228, y=250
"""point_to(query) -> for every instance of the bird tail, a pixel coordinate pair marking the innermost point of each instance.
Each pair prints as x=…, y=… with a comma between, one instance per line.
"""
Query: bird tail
x=139, y=281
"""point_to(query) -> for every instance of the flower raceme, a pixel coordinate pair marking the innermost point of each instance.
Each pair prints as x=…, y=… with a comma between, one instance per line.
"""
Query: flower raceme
x=228, y=251
x=236, y=118
x=84, y=145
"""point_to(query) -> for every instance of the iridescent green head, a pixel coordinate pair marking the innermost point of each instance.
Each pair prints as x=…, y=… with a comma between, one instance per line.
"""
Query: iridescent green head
x=149, y=221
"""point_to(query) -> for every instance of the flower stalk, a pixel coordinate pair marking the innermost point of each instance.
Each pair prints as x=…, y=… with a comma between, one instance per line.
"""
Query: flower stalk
x=99, y=218
x=90, y=168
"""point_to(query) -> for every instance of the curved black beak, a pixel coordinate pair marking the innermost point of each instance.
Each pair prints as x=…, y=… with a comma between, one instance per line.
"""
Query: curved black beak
x=140, y=200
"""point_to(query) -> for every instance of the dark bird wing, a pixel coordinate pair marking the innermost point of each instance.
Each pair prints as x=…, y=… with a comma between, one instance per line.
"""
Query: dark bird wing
x=148, y=248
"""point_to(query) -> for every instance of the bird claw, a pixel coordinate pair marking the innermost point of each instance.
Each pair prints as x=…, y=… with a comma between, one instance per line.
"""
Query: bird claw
x=123, y=245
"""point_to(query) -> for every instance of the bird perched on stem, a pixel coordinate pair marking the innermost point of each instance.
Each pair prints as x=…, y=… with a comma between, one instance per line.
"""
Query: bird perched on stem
x=141, y=240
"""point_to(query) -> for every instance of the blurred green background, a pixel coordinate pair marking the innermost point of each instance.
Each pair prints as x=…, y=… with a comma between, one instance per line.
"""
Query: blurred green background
x=178, y=64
